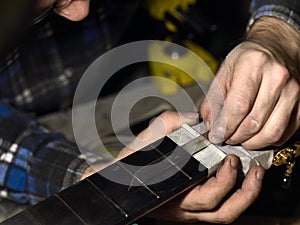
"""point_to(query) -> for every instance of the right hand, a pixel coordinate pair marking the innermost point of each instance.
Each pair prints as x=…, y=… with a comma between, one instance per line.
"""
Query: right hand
x=255, y=98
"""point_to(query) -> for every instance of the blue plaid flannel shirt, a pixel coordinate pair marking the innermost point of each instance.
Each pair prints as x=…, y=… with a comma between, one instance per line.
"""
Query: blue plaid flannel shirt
x=40, y=76
x=287, y=10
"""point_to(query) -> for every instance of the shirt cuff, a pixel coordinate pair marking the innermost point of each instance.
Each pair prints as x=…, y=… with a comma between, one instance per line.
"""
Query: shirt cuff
x=278, y=11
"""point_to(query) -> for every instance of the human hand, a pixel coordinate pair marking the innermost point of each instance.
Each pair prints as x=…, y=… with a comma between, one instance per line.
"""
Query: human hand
x=161, y=126
x=217, y=200
x=255, y=100
x=164, y=124
x=209, y=202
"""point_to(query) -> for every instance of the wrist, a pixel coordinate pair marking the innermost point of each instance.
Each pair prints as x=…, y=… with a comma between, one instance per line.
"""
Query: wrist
x=280, y=40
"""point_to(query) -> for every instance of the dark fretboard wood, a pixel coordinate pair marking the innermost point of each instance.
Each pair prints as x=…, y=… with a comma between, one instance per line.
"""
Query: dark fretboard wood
x=98, y=200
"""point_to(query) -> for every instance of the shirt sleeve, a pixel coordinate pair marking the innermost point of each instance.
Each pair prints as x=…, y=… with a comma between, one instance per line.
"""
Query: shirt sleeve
x=287, y=10
x=35, y=163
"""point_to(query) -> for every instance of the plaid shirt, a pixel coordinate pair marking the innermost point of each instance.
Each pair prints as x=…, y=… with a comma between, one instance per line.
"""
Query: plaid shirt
x=287, y=10
x=34, y=162
x=41, y=76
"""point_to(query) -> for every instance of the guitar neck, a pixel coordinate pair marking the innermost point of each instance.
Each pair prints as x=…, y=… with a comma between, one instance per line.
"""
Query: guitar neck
x=132, y=187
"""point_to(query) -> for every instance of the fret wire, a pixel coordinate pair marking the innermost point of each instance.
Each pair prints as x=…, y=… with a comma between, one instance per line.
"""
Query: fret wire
x=70, y=208
x=109, y=199
x=151, y=163
x=178, y=168
x=139, y=180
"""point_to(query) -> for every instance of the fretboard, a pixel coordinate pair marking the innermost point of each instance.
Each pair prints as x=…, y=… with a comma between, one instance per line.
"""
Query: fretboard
x=130, y=188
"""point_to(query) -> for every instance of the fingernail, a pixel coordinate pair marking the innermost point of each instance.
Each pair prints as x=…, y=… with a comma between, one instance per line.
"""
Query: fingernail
x=229, y=161
x=216, y=136
x=260, y=174
x=215, y=139
x=233, y=162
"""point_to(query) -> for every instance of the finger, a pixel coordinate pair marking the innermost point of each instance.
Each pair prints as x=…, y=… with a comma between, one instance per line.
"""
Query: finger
x=294, y=123
x=277, y=125
x=214, y=98
x=239, y=99
x=204, y=197
x=210, y=194
x=292, y=128
x=232, y=208
x=161, y=126
x=236, y=204
x=274, y=80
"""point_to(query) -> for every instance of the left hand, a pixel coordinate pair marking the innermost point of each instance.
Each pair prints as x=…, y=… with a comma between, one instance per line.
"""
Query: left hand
x=209, y=202
x=217, y=200
x=164, y=124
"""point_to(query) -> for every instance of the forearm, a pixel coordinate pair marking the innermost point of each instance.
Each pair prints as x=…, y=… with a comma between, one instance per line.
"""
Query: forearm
x=280, y=40
x=280, y=37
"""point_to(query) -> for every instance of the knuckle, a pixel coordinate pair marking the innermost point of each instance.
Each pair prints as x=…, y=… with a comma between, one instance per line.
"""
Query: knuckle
x=165, y=115
x=207, y=204
x=282, y=76
x=259, y=56
x=165, y=123
x=251, y=125
x=240, y=107
x=273, y=135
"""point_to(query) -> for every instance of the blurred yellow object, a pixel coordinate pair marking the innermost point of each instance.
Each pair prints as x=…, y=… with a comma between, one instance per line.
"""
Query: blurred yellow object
x=184, y=60
x=202, y=72
x=158, y=9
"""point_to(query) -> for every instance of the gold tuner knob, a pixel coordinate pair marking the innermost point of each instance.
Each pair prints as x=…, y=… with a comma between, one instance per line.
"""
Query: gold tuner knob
x=287, y=156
